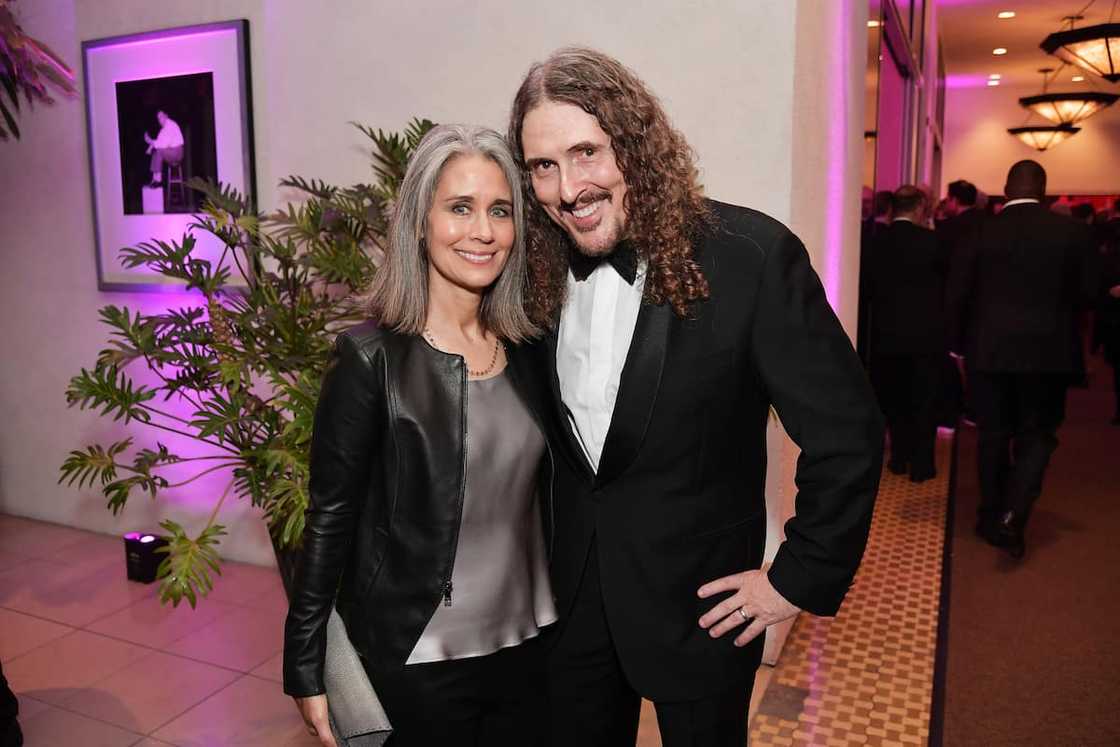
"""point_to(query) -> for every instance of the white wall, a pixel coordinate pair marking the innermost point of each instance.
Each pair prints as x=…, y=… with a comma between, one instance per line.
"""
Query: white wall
x=978, y=148
x=726, y=71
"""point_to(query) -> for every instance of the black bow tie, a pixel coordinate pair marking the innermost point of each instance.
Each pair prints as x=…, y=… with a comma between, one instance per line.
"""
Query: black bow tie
x=623, y=259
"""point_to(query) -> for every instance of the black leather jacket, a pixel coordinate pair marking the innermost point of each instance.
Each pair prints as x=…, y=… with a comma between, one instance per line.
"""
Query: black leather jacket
x=386, y=498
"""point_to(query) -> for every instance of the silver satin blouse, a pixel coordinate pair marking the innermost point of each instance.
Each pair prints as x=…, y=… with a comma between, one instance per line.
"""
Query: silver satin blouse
x=501, y=594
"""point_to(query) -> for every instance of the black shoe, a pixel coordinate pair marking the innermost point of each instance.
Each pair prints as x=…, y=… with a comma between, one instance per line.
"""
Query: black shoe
x=922, y=476
x=985, y=530
x=1008, y=534
x=898, y=468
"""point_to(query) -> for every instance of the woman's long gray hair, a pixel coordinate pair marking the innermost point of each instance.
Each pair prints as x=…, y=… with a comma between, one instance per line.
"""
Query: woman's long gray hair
x=398, y=297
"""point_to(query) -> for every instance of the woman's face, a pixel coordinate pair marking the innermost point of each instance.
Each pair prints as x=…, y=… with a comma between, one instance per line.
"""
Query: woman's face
x=470, y=225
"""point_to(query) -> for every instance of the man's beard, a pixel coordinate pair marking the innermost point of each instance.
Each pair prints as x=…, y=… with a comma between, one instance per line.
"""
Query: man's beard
x=598, y=244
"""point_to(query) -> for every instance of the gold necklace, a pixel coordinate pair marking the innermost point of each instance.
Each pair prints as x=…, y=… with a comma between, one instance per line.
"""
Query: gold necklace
x=476, y=374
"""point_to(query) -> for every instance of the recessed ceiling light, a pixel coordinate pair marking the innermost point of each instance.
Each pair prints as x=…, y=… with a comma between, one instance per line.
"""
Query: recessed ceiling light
x=994, y=76
x=993, y=82
x=1006, y=14
x=999, y=50
x=872, y=24
x=1077, y=78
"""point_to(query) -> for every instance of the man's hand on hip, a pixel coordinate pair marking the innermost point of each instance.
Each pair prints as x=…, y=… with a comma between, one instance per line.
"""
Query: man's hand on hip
x=754, y=603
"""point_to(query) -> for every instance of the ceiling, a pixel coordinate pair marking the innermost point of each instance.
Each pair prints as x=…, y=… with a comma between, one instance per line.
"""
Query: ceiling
x=970, y=31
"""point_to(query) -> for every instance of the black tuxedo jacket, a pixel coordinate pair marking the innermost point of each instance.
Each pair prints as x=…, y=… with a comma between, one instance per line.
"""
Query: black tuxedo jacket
x=679, y=496
x=907, y=291
x=1014, y=292
x=959, y=229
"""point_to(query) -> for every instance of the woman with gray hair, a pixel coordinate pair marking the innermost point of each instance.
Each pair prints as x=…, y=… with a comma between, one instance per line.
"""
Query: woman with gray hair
x=425, y=527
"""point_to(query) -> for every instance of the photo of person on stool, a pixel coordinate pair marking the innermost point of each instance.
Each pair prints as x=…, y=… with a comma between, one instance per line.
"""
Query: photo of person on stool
x=166, y=147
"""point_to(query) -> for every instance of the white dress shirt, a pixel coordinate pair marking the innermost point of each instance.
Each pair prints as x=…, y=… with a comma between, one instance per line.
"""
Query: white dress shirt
x=170, y=136
x=596, y=326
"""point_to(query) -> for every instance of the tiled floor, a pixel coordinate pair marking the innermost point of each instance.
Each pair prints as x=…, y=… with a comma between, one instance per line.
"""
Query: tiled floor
x=865, y=677
x=96, y=660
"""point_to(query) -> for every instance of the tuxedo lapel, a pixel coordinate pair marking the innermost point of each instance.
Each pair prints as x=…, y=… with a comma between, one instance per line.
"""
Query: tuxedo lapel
x=637, y=391
x=559, y=411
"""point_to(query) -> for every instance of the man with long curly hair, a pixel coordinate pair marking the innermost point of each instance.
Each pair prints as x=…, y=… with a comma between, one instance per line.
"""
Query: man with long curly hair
x=676, y=323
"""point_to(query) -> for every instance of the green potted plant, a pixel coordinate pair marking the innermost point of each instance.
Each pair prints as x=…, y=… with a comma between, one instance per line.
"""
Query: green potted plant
x=244, y=365
x=28, y=67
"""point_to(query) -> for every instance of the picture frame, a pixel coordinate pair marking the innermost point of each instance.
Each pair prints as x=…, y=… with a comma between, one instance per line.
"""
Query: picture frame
x=163, y=107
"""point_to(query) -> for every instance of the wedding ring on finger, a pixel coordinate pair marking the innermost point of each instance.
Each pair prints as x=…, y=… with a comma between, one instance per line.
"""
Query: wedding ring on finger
x=743, y=614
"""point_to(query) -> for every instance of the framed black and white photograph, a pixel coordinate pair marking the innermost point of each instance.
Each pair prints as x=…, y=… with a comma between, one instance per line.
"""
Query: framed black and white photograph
x=162, y=108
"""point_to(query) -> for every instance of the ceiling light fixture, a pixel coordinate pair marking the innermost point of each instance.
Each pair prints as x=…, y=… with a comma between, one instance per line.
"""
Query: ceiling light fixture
x=1077, y=78
x=1066, y=108
x=1069, y=108
x=1006, y=14
x=995, y=76
x=993, y=81
x=999, y=51
x=1094, y=48
x=873, y=24
x=1042, y=137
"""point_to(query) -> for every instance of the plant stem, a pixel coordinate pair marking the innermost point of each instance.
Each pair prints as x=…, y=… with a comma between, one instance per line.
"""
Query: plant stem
x=206, y=458
x=218, y=505
x=168, y=382
x=188, y=481
x=194, y=437
x=167, y=415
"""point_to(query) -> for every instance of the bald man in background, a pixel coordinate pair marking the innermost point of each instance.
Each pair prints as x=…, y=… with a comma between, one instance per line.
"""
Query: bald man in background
x=1013, y=295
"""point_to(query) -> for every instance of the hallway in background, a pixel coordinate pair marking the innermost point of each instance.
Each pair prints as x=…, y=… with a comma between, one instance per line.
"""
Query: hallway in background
x=1032, y=655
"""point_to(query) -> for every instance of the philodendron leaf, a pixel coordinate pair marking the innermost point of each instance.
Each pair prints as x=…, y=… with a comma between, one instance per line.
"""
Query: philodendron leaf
x=111, y=390
x=94, y=464
x=185, y=572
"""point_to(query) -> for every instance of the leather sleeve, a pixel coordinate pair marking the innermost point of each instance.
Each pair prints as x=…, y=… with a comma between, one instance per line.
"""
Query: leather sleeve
x=343, y=445
x=820, y=391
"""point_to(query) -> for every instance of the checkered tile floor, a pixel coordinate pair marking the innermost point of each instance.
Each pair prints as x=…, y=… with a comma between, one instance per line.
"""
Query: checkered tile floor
x=865, y=677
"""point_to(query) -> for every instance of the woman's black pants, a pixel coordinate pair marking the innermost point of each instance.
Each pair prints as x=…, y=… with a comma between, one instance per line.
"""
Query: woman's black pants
x=497, y=699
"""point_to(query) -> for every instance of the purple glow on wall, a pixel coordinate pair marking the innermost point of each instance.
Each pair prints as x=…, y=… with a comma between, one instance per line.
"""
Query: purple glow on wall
x=837, y=132
x=197, y=497
x=962, y=80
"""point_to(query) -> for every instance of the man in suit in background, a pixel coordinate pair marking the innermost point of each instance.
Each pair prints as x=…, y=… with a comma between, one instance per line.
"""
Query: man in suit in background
x=876, y=216
x=908, y=343
x=962, y=202
x=1013, y=296
x=965, y=217
x=675, y=323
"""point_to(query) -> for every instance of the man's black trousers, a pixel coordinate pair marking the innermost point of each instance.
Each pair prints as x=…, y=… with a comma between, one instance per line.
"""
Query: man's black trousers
x=1017, y=415
x=908, y=387
x=593, y=705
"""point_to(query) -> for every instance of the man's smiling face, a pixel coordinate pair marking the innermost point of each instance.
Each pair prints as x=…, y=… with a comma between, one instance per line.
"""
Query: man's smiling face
x=574, y=174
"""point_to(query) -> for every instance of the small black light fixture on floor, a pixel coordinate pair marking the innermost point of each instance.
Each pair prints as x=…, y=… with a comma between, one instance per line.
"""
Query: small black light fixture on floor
x=1066, y=108
x=141, y=558
x=1094, y=48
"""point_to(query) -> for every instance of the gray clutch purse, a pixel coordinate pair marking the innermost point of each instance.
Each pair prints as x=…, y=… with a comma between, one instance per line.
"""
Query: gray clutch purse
x=356, y=716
